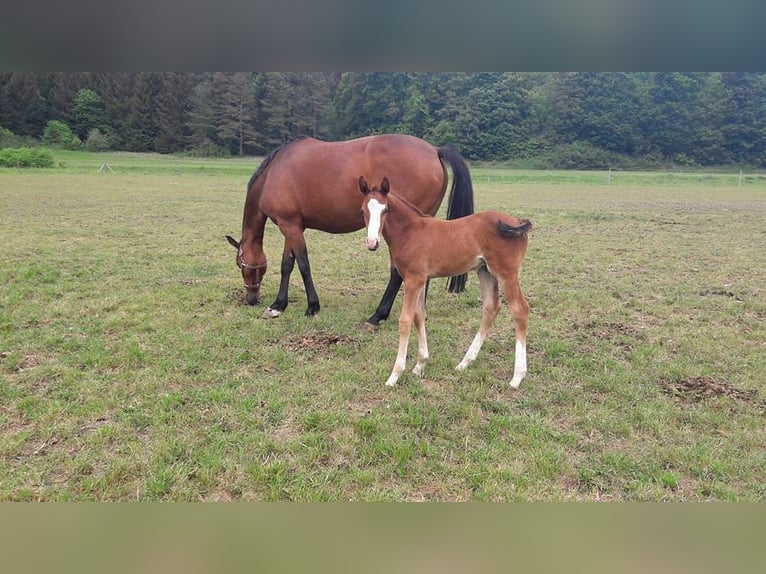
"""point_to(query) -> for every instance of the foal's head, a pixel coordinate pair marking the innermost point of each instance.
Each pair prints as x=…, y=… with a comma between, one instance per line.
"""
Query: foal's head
x=374, y=208
x=252, y=273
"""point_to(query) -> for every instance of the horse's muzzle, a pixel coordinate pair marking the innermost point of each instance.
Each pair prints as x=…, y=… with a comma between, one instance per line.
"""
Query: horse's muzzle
x=373, y=244
x=252, y=298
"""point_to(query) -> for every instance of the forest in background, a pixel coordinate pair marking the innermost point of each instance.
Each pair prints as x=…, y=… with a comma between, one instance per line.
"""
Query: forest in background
x=586, y=120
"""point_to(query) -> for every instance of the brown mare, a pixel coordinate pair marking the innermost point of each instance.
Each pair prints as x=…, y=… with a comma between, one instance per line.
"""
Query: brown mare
x=422, y=248
x=310, y=184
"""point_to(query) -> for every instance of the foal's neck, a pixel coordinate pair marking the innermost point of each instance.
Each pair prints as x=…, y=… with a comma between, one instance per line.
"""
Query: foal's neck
x=401, y=217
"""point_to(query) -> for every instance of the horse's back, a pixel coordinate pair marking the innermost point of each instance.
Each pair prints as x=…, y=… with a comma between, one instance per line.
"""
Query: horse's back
x=317, y=181
x=399, y=157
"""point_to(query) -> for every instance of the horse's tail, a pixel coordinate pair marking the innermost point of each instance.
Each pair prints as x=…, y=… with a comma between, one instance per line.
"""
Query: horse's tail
x=460, y=201
x=511, y=231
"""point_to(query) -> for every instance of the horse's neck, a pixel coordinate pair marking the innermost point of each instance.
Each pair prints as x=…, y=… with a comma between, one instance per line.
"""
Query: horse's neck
x=253, y=219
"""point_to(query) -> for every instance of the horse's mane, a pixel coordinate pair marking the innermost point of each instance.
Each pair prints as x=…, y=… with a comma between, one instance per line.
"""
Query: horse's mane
x=269, y=158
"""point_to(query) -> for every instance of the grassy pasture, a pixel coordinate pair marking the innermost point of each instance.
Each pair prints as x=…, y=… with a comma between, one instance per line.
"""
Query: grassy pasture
x=131, y=370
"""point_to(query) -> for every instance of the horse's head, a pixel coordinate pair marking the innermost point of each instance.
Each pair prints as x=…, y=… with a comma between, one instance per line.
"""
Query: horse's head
x=374, y=208
x=252, y=272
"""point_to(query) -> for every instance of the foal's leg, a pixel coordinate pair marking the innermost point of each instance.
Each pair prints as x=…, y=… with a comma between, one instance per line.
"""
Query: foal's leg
x=490, y=307
x=520, y=311
x=420, y=325
x=411, y=294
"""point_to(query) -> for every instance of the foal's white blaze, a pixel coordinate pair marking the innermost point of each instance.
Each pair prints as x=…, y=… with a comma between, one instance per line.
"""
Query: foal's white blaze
x=376, y=210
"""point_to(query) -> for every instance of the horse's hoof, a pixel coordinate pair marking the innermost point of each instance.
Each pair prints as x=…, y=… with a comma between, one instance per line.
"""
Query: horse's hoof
x=270, y=313
x=370, y=328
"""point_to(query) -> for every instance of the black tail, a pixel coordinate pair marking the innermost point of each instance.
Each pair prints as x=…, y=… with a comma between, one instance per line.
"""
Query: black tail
x=460, y=201
x=514, y=231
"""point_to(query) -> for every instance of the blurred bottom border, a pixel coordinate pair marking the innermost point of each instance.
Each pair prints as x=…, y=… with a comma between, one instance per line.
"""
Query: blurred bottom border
x=381, y=537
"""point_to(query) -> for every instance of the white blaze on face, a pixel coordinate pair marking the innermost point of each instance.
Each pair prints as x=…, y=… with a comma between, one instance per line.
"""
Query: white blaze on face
x=376, y=210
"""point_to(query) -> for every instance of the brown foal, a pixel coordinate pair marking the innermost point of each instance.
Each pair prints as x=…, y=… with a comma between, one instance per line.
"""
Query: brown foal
x=423, y=247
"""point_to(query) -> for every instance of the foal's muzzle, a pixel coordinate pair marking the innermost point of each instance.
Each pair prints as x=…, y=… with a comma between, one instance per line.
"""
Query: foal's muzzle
x=372, y=244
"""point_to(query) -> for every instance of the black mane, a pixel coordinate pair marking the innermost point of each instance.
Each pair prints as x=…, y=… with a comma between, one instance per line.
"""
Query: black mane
x=269, y=158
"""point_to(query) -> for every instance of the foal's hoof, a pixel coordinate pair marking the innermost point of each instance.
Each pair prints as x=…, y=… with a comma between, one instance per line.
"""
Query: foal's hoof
x=516, y=381
x=270, y=313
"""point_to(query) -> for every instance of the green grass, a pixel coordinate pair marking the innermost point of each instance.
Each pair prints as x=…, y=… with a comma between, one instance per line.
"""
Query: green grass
x=131, y=370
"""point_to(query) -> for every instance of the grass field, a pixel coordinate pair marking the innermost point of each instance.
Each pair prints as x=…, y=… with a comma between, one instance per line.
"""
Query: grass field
x=131, y=370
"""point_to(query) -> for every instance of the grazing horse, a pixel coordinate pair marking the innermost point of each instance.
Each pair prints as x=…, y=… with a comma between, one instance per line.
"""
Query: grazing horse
x=310, y=184
x=422, y=247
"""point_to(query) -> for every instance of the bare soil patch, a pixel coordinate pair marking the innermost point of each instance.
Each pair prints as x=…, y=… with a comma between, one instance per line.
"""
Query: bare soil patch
x=317, y=342
x=696, y=389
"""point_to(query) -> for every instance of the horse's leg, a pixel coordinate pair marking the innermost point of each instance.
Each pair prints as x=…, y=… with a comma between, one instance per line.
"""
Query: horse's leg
x=520, y=311
x=387, y=301
x=296, y=242
x=420, y=325
x=411, y=294
x=490, y=307
x=302, y=257
x=280, y=303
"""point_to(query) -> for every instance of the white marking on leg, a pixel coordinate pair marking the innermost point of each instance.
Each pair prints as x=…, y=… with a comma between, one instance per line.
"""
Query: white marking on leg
x=401, y=361
x=270, y=313
x=422, y=350
x=472, y=352
x=520, y=364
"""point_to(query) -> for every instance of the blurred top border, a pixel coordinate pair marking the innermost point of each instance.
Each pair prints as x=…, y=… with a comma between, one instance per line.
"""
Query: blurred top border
x=332, y=35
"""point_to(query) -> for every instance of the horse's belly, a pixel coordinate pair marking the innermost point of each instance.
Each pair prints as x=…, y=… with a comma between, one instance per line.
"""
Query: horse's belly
x=334, y=225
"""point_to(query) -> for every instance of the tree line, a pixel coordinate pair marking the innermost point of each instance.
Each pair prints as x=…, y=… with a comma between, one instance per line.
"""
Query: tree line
x=578, y=120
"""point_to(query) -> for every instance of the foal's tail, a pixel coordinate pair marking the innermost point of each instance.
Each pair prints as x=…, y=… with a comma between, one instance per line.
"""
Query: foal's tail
x=510, y=231
x=460, y=201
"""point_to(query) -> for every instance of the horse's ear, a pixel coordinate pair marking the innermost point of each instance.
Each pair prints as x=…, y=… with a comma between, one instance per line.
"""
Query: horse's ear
x=363, y=185
x=233, y=242
x=384, y=187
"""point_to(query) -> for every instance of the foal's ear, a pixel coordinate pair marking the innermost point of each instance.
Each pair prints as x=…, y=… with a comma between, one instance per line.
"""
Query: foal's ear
x=233, y=242
x=363, y=185
x=384, y=187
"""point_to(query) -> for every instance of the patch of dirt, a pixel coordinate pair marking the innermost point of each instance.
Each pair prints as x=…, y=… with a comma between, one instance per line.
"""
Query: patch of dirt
x=237, y=295
x=621, y=334
x=317, y=342
x=721, y=293
x=666, y=222
x=609, y=329
x=696, y=389
x=367, y=404
x=26, y=362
